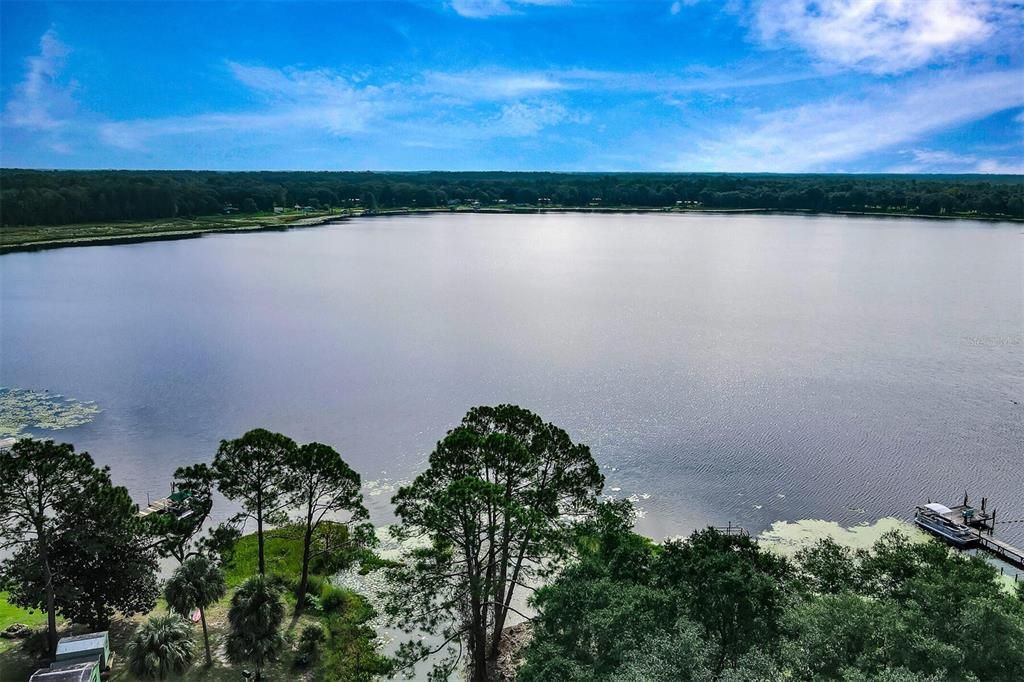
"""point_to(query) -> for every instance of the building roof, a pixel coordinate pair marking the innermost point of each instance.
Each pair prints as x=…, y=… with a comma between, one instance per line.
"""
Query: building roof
x=69, y=646
x=80, y=672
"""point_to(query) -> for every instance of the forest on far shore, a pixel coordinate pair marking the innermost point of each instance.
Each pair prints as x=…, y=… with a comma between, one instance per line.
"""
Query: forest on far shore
x=44, y=197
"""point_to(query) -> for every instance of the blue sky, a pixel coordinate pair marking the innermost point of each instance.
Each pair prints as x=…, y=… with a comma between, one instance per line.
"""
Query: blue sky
x=684, y=85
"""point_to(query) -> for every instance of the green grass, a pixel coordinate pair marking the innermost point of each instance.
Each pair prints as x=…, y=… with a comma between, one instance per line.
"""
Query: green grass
x=10, y=614
x=11, y=237
x=282, y=551
x=13, y=664
x=349, y=654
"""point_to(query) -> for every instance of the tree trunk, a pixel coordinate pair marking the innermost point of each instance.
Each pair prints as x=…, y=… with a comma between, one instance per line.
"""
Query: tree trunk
x=51, y=617
x=259, y=534
x=259, y=528
x=304, y=581
x=51, y=601
x=206, y=637
x=478, y=635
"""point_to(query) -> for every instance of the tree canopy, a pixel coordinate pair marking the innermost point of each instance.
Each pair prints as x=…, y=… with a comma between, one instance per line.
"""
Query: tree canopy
x=721, y=607
x=196, y=584
x=160, y=647
x=32, y=197
x=319, y=482
x=251, y=470
x=75, y=539
x=173, y=533
x=255, y=618
x=494, y=508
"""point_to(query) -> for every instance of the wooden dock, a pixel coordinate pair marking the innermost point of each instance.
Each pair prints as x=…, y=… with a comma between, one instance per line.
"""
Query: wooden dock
x=175, y=503
x=977, y=526
x=1002, y=550
x=157, y=507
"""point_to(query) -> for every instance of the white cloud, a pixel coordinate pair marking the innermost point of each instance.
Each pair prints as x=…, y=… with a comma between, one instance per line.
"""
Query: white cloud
x=822, y=135
x=677, y=6
x=524, y=119
x=1000, y=167
x=297, y=100
x=885, y=36
x=931, y=158
x=491, y=84
x=515, y=120
x=309, y=101
x=42, y=103
x=482, y=9
x=943, y=161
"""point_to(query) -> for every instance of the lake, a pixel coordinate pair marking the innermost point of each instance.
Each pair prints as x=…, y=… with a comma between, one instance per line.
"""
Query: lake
x=743, y=368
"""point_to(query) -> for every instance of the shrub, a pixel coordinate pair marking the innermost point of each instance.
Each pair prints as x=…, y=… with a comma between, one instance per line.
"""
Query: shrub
x=161, y=646
x=334, y=599
x=313, y=604
x=255, y=618
x=278, y=582
x=314, y=587
x=350, y=652
x=309, y=644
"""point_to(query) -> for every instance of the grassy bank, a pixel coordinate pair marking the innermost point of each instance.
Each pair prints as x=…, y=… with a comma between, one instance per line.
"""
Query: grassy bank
x=9, y=615
x=49, y=236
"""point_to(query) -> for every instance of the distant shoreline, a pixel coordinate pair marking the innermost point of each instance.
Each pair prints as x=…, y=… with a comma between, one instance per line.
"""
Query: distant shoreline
x=138, y=235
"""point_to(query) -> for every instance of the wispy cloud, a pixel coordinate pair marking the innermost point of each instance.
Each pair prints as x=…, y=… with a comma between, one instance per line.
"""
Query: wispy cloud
x=740, y=114
x=492, y=84
x=825, y=135
x=516, y=120
x=944, y=161
x=295, y=100
x=885, y=36
x=483, y=9
x=677, y=6
x=478, y=104
x=524, y=118
x=999, y=167
x=487, y=84
x=42, y=102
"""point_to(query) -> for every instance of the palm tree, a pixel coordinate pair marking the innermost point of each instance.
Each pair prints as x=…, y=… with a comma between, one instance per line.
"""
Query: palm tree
x=255, y=617
x=160, y=646
x=196, y=584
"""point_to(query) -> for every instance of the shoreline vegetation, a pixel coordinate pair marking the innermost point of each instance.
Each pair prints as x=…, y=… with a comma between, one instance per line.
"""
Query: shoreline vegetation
x=51, y=209
x=106, y=234
x=505, y=563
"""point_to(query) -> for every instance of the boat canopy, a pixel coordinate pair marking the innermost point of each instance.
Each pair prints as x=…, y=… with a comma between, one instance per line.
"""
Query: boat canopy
x=938, y=508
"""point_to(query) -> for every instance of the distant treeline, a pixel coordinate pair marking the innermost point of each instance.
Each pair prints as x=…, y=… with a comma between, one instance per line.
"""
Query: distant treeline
x=32, y=197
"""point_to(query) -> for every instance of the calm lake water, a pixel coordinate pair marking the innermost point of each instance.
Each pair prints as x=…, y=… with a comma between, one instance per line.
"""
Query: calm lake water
x=722, y=368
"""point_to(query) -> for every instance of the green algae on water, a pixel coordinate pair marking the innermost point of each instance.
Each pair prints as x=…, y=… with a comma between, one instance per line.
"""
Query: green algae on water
x=787, y=538
x=23, y=408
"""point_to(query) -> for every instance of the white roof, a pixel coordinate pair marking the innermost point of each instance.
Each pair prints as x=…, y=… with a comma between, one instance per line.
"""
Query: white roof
x=936, y=507
x=89, y=642
x=80, y=672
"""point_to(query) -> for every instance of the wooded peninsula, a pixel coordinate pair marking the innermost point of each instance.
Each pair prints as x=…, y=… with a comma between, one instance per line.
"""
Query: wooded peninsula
x=40, y=206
